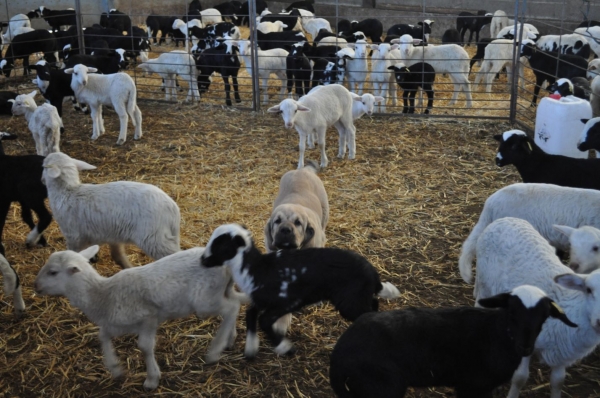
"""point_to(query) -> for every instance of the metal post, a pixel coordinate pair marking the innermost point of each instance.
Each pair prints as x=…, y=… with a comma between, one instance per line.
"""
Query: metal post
x=80, y=38
x=254, y=57
x=514, y=85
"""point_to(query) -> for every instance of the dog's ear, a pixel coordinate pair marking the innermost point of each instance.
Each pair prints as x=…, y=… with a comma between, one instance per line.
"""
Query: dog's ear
x=309, y=233
x=268, y=236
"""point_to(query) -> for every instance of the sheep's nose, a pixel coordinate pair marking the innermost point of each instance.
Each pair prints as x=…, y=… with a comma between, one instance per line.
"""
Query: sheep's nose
x=574, y=266
x=289, y=125
x=369, y=113
x=36, y=287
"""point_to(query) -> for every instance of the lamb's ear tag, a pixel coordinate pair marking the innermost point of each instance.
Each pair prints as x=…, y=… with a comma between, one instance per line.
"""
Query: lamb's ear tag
x=557, y=307
x=530, y=148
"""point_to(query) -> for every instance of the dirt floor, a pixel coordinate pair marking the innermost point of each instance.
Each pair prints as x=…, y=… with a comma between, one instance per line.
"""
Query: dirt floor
x=406, y=202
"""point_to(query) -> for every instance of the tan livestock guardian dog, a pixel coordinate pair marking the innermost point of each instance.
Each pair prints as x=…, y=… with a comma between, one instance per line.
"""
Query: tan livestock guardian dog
x=300, y=211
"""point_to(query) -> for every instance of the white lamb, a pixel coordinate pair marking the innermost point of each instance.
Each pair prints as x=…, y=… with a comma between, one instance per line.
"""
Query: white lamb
x=168, y=66
x=115, y=213
x=357, y=68
x=43, y=122
x=211, y=16
x=333, y=41
x=446, y=58
x=269, y=27
x=384, y=55
x=12, y=285
x=499, y=21
x=542, y=205
x=314, y=25
x=269, y=61
x=138, y=300
x=592, y=35
x=117, y=90
x=498, y=54
x=361, y=105
x=510, y=252
x=317, y=111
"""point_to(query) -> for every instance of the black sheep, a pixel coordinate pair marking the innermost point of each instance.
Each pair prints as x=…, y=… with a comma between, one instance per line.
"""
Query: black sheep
x=536, y=166
x=23, y=45
x=58, y=18
x=371, y=27
x=452, y=36
x=421, y=31
x=5, y=106
x=261, y=5
x=164, y=24
x=472, y=23
x=298, y=70
x=220, y=61
x=410, y=79
x=305, y=5
x=473, y=350
x=116, y=19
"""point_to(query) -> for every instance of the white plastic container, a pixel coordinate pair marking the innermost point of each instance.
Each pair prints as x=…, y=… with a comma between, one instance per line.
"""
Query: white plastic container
x=558, y=125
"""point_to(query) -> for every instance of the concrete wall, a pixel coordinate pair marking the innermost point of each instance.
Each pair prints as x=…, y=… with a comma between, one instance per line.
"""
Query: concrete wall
x=546, y=15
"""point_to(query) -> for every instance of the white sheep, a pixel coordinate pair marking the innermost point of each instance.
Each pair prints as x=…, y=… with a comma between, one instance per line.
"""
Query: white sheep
x=592, y=35
x=117, y=90
x=498, y=54
x=115, y=213
x=542, y=205
x=43, y=122
x=168, y=66
x=314, y=113
x=138, y=300
x=314, y=25
x=584, y=245
x=305, y=15
x=384, y=55
x=447, y=58
x=269, y=61
x=333, y=41
x=361, y=105
x=211, y=16
x=12, y=285
x=510, y=253
x=499, y=21
x=529, y=32
x=269, y=27
x=357, y=68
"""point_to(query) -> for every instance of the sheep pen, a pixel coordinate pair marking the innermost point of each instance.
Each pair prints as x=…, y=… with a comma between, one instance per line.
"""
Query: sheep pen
x=407, y=202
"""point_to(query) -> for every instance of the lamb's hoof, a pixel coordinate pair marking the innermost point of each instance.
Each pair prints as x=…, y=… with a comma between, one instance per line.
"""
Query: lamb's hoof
x=238, y=101
x=94, y=138
x=285, y=348
x=137, y=137
x=351, y=157
x=340, y=156
x=210, y=359
x=249, y=357
x=19, y=313
x=150, y=384
x=117, y=372
x=120, y=141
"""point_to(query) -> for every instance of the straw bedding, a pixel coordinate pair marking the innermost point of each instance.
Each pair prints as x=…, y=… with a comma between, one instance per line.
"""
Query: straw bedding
x=406, y=202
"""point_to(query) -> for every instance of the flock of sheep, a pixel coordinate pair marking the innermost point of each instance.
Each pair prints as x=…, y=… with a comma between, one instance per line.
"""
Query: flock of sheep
x=533, y=303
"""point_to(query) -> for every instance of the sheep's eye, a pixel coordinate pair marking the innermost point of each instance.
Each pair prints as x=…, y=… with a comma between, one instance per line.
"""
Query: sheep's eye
x=296, y=111
x=297, y=223
x=278, y=221
x=52, y=273
x=589, y=291
x=595, y=248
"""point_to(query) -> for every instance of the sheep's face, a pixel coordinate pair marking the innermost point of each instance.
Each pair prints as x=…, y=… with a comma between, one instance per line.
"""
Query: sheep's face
x=360, y=49
x=23, y=103
x=56, y=276
x=227, y=243
x=589, y=285
x=368, y=102
x=590, y=136
x=593, y=69
x=407, y=44
x=527, y=309
x=289, y=109
x=58, y=163
x=514, y=147
x=563, y=87
x=80, y=76
x=584, y=245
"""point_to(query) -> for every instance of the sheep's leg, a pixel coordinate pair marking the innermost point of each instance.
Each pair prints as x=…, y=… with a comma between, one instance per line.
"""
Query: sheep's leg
x=3, y=213
x=167, y=86
x=283, y=78
x=539, y=80
x=136, y=119
x=123, y=119
x=290, y=83
x=236, y=91
x=342, y=140
x=430, y=93
x=320, y=131
x=302, y=147
x=351, y=140
x=392, y=86
x=146, y=342
x=283, y=324
x=265, y=90
x=519, y=378
x=95, y=123
x=109, y=356
x=405, y=95
x=411, y=100
x=44, y=219
x=227, y=90
x=384, y=89
x=282, y=345
x=117, y=252
x=376, y=92
x=252, y=339
x=311, y=141
x=557, y=378
x=226, y=332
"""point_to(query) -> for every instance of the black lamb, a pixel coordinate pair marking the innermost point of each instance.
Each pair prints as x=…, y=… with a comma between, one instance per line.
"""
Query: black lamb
x=410, y=79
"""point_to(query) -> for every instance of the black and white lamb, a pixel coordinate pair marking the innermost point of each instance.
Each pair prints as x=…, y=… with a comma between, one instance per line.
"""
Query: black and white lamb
x=578, y=87
x=473, y=350
x=277, y=282
x=536, y=166
x=590, y=136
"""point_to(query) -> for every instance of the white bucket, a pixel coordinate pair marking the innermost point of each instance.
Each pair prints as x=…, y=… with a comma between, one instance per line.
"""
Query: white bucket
x=558, y=125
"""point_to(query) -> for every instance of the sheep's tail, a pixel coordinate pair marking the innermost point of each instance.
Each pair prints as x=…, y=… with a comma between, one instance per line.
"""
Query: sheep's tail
x=388, y=291
x=467, y=254
x=11, y=279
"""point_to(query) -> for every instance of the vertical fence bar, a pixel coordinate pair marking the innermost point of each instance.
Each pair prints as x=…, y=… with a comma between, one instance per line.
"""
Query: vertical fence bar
x=514, y=86
x=254, y=58
x=80, y=38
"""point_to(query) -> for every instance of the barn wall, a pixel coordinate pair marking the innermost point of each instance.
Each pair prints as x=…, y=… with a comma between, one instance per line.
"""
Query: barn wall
x=389, y=11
